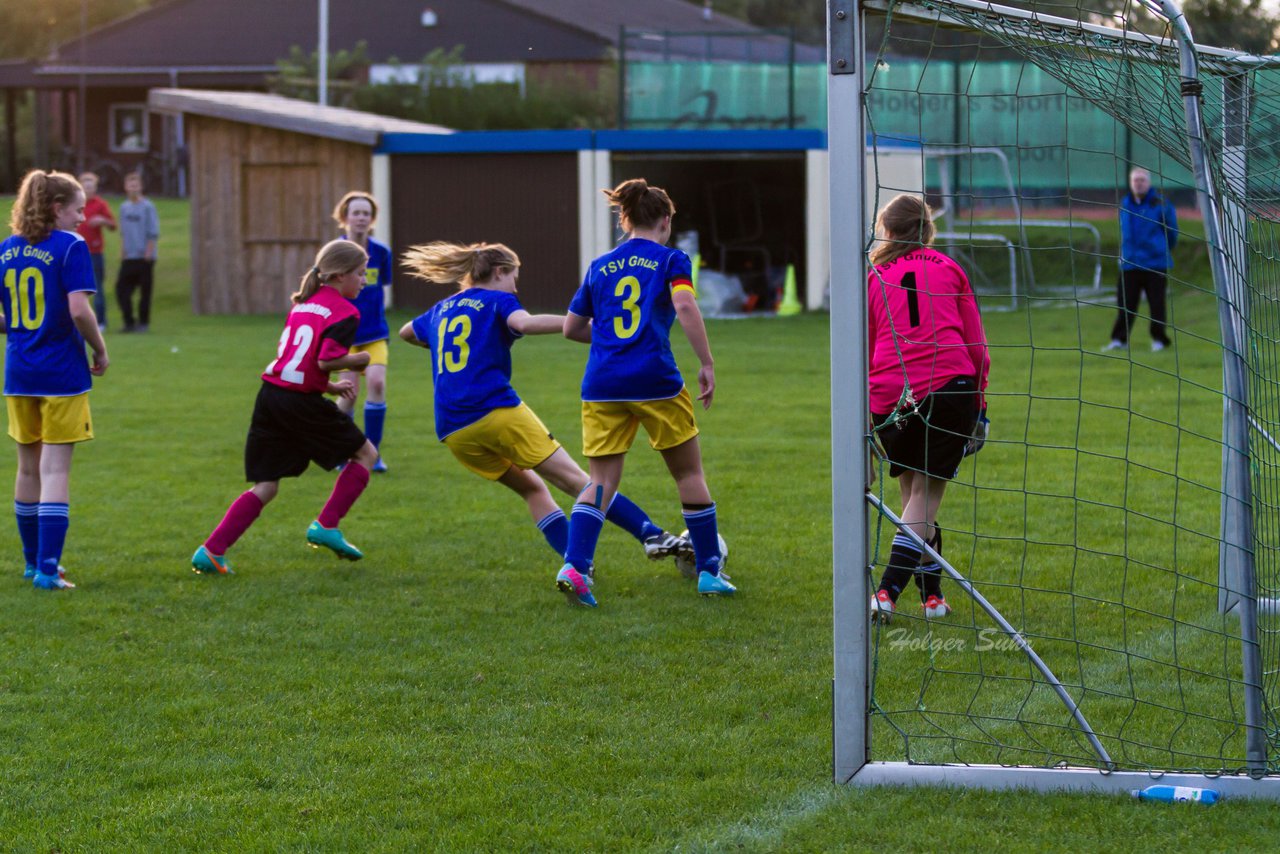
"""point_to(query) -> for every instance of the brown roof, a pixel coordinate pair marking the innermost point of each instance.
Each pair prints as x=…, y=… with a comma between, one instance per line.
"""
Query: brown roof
x=275, y=111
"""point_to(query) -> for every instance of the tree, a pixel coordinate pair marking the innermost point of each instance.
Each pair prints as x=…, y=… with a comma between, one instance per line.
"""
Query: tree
x=1248, y=25
x=32, y=31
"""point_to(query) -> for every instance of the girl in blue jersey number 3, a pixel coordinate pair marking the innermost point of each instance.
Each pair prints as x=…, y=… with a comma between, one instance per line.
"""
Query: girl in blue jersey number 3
x=479, y=416
x=48, y=288
x=624, y=309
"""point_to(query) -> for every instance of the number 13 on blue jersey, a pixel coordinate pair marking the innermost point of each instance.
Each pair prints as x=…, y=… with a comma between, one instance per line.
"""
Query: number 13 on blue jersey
x=447, y=360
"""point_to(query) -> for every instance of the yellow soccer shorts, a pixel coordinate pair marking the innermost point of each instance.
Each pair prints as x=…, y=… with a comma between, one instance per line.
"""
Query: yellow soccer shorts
x=51, y=420
x=377, y=351
x=609, y=427
x=511, y=436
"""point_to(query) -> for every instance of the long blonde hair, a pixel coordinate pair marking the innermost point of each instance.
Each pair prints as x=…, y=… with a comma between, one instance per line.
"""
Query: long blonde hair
x=335, y=258
x=458, y=264
x=33, y=214
x=903, y=225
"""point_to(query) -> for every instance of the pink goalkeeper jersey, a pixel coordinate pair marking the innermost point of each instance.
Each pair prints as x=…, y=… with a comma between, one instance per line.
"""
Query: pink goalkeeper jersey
x=322, y=328
x=923, y=326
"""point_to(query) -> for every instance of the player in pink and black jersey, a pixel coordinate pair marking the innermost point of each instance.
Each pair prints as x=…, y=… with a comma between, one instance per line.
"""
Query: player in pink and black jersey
x=927, y=373
x=294, y=424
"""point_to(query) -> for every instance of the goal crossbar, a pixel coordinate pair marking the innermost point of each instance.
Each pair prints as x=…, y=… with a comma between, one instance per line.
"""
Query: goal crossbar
x=1018, y=23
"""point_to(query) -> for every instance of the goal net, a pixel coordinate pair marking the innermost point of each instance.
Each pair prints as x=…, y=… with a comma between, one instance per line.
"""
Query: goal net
x=1111, y=553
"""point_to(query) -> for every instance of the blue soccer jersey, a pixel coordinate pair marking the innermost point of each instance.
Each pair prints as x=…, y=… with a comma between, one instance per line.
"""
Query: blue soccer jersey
x=627, y=294
x=371, y=301
x=45, y=354
x=470, y=345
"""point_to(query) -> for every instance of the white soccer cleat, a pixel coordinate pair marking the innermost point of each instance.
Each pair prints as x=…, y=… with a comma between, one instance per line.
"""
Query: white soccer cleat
x=1157, y=346
x=1115, y=345
x=935, y=608
x=882, y=607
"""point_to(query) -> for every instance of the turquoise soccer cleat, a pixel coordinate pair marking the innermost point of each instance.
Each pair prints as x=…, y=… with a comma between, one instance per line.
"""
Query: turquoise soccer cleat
x=55, y=581
x=575, y=586
x=206, y=562
x=29, y=572
x=332, y=539
x=714, y=585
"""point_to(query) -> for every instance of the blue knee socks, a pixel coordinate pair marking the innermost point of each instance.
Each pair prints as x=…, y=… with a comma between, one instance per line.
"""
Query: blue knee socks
x=54, y=519
x=628, y=516
x=375, y=415
x=584, y=532
x=704, y=536
x=28, y=514
x=555, y=527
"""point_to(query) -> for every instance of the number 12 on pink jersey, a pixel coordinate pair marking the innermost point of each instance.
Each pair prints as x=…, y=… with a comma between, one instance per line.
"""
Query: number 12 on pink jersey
x=303, y=338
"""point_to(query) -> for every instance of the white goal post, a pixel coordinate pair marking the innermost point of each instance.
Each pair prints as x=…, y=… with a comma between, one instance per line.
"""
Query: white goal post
x=853, y=501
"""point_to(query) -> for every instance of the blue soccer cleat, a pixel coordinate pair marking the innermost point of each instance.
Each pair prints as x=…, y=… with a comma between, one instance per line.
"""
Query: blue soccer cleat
x=379, y=467
x=29, y=572
x=206, y=562
x=575, y=586
x=714, y=585
x=332, y=539
x=52, y=581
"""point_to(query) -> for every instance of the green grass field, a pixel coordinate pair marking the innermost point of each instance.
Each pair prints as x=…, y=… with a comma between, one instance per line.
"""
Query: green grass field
x=439, y=695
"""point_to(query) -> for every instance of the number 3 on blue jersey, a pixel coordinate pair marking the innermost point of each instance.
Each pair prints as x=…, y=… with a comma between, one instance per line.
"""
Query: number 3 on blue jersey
x=629, y=289
x=460, y=326
x=26, y=298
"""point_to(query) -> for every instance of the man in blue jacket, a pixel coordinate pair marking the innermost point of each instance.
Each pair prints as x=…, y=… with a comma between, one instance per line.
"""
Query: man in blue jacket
x=1148, y=233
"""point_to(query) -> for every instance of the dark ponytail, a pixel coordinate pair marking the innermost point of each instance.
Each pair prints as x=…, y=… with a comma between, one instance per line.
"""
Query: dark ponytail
x=640, y=205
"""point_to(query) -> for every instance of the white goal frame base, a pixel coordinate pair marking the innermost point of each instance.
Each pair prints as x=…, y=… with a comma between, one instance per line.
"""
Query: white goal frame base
x=1001, y=778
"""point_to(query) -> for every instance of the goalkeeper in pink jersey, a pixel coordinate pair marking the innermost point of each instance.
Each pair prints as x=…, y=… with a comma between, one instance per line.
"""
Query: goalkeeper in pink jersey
x=927, y=373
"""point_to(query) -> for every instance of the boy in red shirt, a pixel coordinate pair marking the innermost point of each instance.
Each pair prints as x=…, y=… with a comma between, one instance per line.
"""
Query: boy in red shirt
x=97, y=216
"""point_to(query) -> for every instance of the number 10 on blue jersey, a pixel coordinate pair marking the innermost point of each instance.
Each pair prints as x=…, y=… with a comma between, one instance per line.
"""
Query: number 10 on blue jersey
x=26, y=297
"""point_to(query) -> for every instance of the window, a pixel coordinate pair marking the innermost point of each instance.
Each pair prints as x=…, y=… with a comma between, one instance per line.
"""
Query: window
x=130, y=128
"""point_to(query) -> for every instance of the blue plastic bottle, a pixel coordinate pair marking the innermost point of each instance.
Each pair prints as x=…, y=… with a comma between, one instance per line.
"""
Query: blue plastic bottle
x=1176, y=794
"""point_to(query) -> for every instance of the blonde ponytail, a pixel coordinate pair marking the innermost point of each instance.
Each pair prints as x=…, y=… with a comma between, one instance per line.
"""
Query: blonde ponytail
x=458, y=264
x=335, y=258
x=34, y=214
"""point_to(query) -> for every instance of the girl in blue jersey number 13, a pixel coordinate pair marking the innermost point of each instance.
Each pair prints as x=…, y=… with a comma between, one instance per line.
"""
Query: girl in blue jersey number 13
x=48, y=316
x=479, y=416
x=356, y=214
x=624, y=309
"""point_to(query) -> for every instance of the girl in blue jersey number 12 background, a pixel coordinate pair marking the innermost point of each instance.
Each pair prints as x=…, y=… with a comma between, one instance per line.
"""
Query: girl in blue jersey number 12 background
x=356, y=214
x=479, y=416
x=48, y=288
x=624, y=309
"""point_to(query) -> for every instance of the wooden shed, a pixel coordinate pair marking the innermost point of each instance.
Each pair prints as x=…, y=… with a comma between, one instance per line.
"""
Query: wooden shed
x=265, y=172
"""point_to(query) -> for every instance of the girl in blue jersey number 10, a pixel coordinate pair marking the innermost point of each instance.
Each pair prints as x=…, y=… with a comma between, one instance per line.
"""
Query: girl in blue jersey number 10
x=624, y=309
x=479, y=416
x=356, y=214
x=48, y=288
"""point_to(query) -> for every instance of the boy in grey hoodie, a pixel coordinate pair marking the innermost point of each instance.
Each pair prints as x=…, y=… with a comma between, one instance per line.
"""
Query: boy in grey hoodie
x=139, y=231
